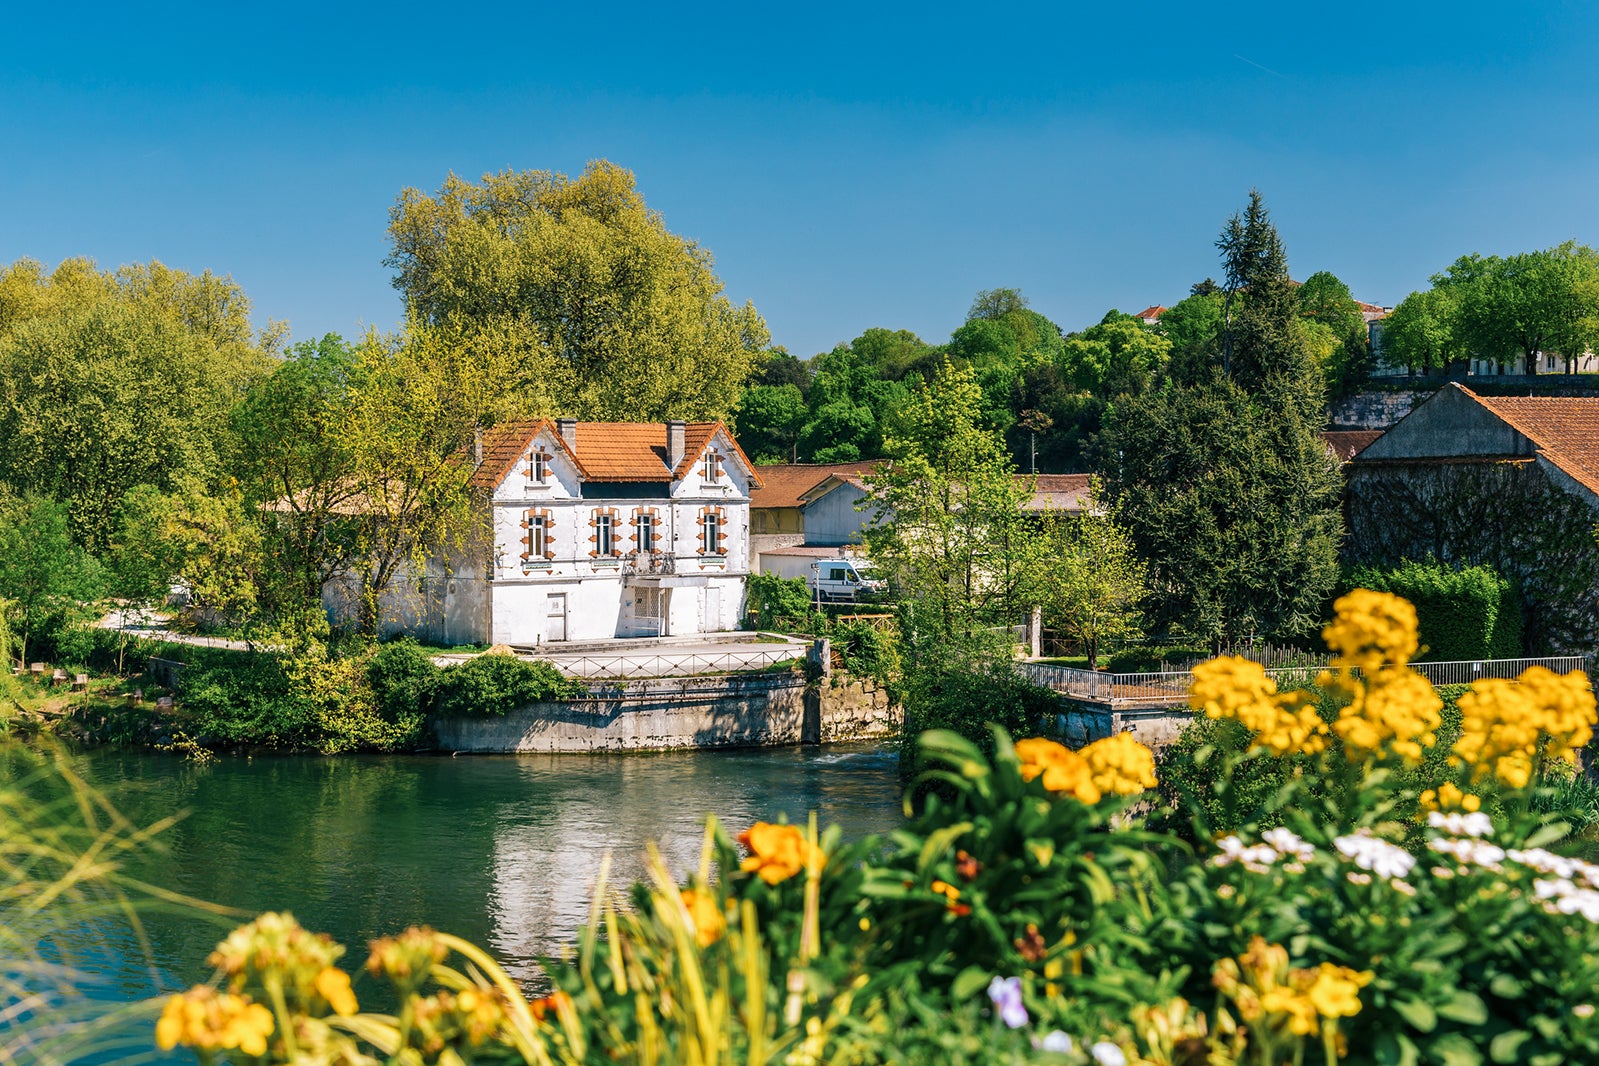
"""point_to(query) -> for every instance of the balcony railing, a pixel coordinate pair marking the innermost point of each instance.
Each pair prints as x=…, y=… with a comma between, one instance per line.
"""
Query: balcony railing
x=659, y=564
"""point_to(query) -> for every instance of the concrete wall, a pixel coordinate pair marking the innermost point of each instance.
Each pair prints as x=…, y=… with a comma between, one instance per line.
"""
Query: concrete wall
x=1084, y=723
x=759, y=710
x=833, y=520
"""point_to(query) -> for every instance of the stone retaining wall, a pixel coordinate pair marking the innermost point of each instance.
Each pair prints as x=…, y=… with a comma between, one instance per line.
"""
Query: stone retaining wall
x=736, y=711
x=1083, y=723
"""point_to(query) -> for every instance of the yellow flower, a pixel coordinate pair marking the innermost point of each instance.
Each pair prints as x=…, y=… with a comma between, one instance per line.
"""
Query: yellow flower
x=480, y=1013
x=207, y=1020
x=1062, y=769
x=1390, y=710
x=1231, y=686
x=1297, y=1009
x=1449, y=797
x=1507, y=726
x=948, y=891
x=1372, y=629
x=777, y=852
x=1335, y=990
x=274, y=943
x=407, y=958
x=333, y=985
x=1120, y=764
x=705, y=917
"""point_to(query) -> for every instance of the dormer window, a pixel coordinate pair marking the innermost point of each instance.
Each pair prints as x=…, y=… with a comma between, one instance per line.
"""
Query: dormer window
x=711, y=467
x=538, y=468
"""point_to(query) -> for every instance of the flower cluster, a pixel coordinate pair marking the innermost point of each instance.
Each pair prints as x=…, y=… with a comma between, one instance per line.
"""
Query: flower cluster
x=1388, y=861
x=1390, y=709
x=1278, y=845
x=1448, y=796
x=1284, y=723
x=1461, y=824
x=1372, y=630
x=1120, y=765
x=778, y=852
x=208, y=1020
x=276, y=946
x=452, y=1019
x=704, y=915
x=1063, y=770
x=406, y=959
x=1507, y=726
x=1268, y=993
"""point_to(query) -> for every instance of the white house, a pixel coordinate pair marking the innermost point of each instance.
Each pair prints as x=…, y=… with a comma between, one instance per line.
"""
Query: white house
x=599, y=530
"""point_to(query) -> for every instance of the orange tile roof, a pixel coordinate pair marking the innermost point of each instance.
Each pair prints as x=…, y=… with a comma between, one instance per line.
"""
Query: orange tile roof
x=1345, y=444
x=605, y=451
x=783, y=484
x=1565, y=429
x=1152, y=311
x=1059, y=492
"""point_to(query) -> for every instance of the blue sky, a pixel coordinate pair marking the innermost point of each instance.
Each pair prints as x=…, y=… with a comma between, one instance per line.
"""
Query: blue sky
x=848, y=168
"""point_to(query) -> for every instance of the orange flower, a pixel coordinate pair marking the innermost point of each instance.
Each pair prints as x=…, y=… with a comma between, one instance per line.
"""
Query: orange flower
x=554, y=1003
x=705, y=918
x=1062, y=769
x=777, y=852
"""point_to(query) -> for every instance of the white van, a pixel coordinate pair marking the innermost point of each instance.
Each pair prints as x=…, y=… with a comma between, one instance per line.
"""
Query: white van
x=843, y=580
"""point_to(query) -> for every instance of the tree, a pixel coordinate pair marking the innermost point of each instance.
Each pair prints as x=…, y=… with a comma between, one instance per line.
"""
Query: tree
x=777, y=367
x=112, y=380
x=768, y=422
x=1094, y=582
x=1194, y=328
x=1419, y=333
x=592, y=299
x=1118, y=356
x=295, y=457
x=412, y=419
x=956, y=545
x=1228, y=492
x=1233, y=503
x=42, y=573
x=1527, y=305
x=850, y=406
x=1326, y=301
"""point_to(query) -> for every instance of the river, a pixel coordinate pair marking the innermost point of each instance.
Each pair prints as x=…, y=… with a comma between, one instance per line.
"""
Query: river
x=501, y=850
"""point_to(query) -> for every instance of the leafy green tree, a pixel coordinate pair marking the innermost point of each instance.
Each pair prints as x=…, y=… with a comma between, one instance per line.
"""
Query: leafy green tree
x=1094, y=582
x=768, y=421
x=1194, y=328
x=1419, y=334
x=1525, y=306
x=956, y=545
x=850, y=407
x=777, y=367
x=1326, y=301
x=108, y=381
x=411, y=416
x=896, y=354
x=1000, y=341
x=42, y=573
x=1117, y=357
x=589, y=298
x=295, y=458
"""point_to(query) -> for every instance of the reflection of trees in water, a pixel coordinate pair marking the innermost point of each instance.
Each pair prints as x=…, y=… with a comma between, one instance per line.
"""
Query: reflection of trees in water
x=549, y=842
x=503, y=851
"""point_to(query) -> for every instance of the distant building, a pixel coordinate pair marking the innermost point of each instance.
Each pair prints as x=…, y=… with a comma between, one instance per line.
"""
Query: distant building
x=598, y=530
x=1511, y=482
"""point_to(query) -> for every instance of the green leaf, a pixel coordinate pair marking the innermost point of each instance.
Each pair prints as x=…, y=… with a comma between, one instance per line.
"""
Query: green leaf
x=1464, y=1007
x=1455, y=1050
x=1506, y=1047
x=969, y=982
x=1507, y=986
x=1418, y=1013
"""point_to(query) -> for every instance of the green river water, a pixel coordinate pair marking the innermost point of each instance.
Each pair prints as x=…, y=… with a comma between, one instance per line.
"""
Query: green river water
x=501, y=850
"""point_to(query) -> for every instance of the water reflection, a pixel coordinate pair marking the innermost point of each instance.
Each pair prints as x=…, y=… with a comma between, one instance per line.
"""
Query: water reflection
x=501, y=850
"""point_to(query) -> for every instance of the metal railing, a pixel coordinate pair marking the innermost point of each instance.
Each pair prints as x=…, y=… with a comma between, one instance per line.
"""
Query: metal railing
x=591, y=667
x=660, y=563
x=1172, y=686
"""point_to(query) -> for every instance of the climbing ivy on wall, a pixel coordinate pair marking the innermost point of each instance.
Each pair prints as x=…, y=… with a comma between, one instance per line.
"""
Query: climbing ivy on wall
x=1502, y=514
x=1463, y=613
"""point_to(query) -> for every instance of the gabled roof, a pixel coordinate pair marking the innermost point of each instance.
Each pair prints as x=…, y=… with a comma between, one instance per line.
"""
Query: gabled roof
x=605, y=451
x=1345, y=444
x=1061, y=493
x=1565, y=429
x=1150, y=313
x=785, y=484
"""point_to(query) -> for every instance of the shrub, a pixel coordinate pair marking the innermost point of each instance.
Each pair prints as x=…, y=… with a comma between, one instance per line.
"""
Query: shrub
x=867, y=650
x=403, y=680
x=492, y=685
x=968, y=701
x=1466, y=613
x=777, y=602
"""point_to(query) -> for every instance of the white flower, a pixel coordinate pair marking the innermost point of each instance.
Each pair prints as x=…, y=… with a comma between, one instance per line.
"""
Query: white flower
x=1289, y=843
x=1380, y=857
x=1107, y=1054
x=1462, y=824
x=1055, y=1041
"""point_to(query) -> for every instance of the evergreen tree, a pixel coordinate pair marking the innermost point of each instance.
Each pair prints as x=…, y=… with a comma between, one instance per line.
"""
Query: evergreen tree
x=1229, y=493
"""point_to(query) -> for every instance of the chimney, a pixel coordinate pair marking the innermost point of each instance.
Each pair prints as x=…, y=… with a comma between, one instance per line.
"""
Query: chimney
x=568, y=428
x=676, y=443
x=477, y=446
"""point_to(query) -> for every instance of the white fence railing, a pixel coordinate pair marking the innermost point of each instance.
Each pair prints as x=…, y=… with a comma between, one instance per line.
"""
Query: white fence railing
x=591, y=667
x=1172, y=686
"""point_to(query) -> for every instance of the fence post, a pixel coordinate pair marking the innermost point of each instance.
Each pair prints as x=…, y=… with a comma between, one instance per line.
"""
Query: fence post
x=1035, y=632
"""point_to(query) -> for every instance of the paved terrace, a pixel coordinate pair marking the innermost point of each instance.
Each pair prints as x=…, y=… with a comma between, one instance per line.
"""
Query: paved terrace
x=1164, y=689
